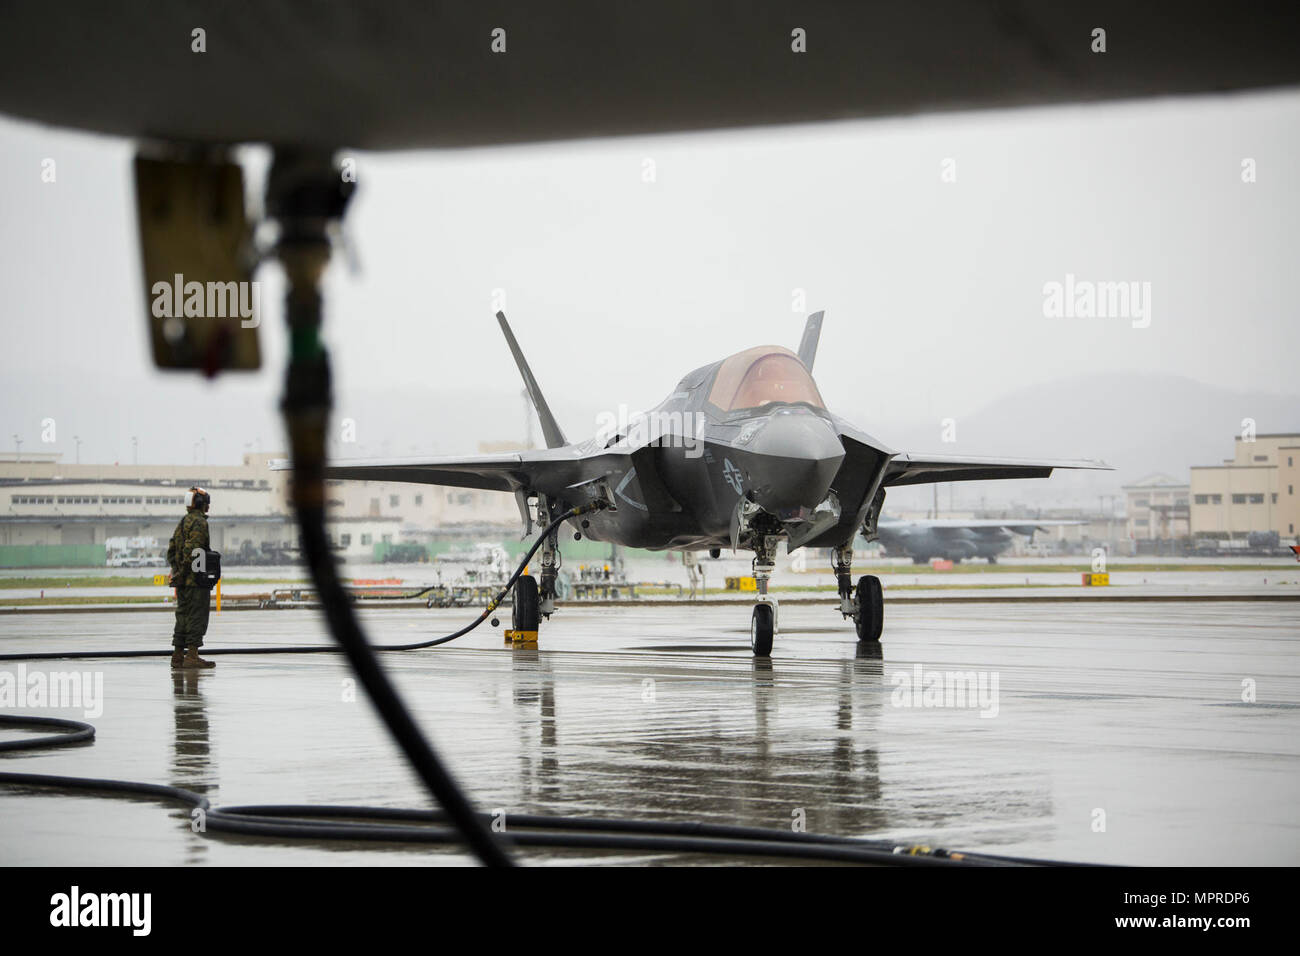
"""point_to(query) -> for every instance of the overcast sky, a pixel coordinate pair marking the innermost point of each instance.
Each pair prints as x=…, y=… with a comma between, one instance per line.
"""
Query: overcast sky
x=617, y=286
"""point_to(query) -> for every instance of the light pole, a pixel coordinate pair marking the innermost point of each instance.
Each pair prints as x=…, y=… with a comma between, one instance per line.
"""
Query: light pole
x=135, y=450
x=77, y=439
x=18, y=444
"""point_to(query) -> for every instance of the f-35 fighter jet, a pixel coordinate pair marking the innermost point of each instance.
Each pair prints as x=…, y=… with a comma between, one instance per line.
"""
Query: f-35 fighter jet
x=742, y=454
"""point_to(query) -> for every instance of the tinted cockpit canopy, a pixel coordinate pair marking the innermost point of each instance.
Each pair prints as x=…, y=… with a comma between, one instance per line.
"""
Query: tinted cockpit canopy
x=761, y=376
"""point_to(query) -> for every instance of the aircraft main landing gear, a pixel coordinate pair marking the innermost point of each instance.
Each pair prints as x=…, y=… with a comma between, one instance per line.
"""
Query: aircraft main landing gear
x=762, y=630
x=865, y=603
x=869, y=620
x=532, y=598
x=525, y=610
x=550, y=561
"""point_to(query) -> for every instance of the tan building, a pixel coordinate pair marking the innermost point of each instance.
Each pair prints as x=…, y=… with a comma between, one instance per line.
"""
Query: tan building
x=1288, y=490
x=1255, y=490
x=47, y=503
x=1157, y=509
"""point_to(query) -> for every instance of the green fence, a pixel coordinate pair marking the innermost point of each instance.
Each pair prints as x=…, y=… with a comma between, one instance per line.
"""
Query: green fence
x=52, y=556
x=406, y=552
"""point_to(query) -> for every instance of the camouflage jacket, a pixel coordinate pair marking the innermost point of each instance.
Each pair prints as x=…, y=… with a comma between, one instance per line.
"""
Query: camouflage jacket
x=190, y=533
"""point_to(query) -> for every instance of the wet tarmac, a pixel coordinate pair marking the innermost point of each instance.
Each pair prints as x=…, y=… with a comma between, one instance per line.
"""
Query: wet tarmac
x=1017, y=576
x=1106, y=732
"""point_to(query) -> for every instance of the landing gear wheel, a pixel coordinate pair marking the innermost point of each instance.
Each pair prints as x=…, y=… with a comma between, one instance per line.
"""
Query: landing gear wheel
x=762, y=628
x=870, y=598
x=524, y=614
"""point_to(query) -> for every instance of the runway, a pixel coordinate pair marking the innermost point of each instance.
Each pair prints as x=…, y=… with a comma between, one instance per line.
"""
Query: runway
x=1103, y=732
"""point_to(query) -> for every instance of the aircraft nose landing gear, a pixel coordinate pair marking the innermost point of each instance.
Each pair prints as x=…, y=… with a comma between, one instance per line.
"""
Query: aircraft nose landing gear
x=762, y=625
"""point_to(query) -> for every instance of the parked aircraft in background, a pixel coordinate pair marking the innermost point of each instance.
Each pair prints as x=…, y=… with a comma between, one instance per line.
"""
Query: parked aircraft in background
x=956, y=538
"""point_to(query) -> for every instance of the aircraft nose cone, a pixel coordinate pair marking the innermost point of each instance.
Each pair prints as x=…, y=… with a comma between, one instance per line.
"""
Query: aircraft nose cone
x=795, y=457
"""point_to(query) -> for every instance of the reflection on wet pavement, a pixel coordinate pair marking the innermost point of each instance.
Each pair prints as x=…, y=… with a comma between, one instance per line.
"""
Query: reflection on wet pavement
x=1116, y=733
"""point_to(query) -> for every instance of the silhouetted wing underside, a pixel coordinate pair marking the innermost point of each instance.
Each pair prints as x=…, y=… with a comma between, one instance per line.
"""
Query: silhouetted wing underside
x=484, y=472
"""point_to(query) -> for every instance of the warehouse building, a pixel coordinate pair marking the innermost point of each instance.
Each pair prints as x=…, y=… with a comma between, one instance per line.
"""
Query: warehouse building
x=1254, y=491
x=53, y=513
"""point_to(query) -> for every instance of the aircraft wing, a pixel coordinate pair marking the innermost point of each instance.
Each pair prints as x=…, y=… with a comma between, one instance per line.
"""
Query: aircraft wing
x=486, y=472
x=925, y=469
x=980, y=527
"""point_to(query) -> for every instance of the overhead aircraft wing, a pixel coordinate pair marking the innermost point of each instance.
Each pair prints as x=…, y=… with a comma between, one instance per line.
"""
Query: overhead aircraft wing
x=926, y=469
x=407, y=74
x=486, y=472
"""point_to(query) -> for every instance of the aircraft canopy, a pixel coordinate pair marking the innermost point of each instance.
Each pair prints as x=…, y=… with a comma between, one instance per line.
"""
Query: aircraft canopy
x=761, y=376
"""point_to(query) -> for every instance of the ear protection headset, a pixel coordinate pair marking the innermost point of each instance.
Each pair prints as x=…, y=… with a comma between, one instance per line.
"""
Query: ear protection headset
x=197, y=498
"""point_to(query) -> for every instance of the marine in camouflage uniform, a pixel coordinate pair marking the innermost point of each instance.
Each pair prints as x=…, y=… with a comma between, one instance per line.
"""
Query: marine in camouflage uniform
x=192, y=600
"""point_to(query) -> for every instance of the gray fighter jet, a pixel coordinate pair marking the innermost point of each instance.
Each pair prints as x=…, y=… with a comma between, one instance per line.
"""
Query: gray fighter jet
x=742, y=454
x=956, y=538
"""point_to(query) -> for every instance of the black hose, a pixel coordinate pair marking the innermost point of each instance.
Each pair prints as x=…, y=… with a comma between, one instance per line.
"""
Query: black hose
x=397, y=825
x=327, y=648
x=80, y=732
x=305, y=194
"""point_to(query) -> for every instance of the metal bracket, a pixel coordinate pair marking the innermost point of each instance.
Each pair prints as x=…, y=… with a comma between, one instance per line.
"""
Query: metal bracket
x=873, y=515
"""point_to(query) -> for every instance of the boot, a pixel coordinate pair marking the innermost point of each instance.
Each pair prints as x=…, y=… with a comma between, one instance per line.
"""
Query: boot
x=178, y=658
x=192, y=659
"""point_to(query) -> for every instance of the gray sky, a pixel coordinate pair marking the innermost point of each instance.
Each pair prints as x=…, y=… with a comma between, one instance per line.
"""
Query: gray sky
x=617, y=286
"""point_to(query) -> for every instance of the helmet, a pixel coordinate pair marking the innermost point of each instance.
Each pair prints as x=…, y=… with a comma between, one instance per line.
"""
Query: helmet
x=197, y=497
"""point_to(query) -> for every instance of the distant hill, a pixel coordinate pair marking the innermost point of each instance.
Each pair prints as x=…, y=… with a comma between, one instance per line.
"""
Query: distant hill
x=1138, y=423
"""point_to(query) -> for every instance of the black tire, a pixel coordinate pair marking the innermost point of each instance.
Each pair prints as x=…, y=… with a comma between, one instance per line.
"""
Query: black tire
x=870, y=597
x=762, y=628
x=524, y=614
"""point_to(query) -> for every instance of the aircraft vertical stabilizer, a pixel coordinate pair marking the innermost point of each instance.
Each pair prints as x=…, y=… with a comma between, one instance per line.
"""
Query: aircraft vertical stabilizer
x=550, y=428
x=812, y=332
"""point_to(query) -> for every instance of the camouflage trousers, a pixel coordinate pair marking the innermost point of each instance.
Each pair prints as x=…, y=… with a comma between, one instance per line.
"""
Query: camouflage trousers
x=191, y=617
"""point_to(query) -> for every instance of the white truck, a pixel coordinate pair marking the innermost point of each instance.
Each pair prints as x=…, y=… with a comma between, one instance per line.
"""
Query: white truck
x=136, y=552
